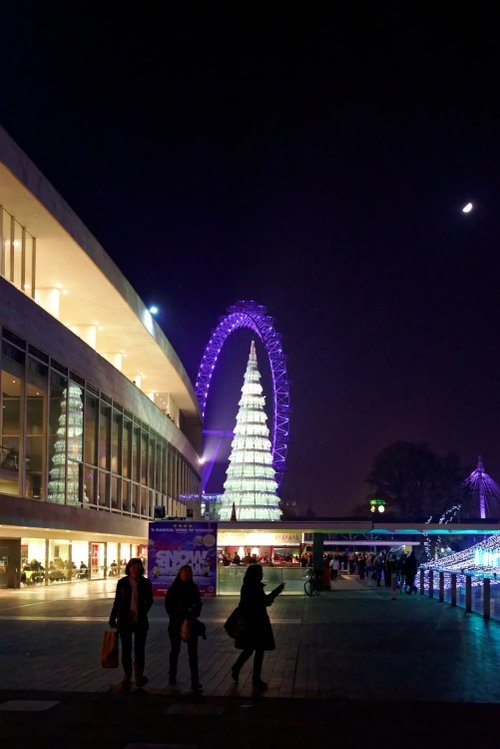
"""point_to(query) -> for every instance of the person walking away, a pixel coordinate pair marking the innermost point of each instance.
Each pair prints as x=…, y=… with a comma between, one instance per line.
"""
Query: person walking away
x=183, y=601
x=362, y=566
x=129, y=615
x=256, y=635
x=411, y=567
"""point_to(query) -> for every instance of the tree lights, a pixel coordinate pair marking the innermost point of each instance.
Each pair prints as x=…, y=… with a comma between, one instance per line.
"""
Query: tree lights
x=250, y=486
x=64, y=475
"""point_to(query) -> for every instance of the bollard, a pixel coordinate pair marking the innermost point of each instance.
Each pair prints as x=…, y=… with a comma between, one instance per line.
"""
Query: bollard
x=453, y=588
x=394, y=586
x=486, y=597
x=468, y=594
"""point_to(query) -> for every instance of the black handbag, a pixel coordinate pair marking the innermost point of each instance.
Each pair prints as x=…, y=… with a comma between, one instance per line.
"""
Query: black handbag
x=235, y=624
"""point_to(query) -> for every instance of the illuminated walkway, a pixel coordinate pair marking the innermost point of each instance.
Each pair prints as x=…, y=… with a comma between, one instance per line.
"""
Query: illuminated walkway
x=352, y=646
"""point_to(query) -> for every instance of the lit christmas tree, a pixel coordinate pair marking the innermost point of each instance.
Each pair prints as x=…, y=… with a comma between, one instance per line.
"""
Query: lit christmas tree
x=250, y=478
x=70, y=425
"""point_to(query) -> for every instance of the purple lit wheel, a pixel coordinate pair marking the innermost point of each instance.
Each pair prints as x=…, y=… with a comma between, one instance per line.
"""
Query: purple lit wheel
x=253, y=316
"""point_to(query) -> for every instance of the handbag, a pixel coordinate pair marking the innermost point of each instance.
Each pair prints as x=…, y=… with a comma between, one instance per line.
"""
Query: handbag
x=235, y=624
x=186, y=630
x=109, y=649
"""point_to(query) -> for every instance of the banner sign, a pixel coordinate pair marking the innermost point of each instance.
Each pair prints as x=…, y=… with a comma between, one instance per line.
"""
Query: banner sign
x=173, y=543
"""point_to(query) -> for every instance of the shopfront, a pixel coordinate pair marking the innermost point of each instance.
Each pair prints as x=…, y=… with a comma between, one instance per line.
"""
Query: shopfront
x=29, y=562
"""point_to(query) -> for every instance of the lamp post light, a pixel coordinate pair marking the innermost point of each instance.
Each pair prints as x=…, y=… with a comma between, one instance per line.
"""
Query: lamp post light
x=377, y=505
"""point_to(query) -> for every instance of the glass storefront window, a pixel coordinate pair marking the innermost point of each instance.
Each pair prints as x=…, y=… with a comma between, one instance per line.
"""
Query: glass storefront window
x=80, y=556
x=32, y=561
x=113, y=560
x=61, y=568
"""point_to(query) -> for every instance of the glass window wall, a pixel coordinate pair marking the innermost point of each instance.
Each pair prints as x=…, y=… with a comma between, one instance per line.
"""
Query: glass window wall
x=116, y=441
x=57, y=438
x=49, y=425
x=12, y=385
x=127, y=449
x=91, y=413
x=36, y=403
x=104, y=436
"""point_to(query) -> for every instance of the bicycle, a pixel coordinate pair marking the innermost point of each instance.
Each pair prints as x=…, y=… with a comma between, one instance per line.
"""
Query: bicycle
x=312, y=585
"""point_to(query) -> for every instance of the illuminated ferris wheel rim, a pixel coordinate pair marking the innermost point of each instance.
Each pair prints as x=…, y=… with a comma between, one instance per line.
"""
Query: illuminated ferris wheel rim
x=249, y=314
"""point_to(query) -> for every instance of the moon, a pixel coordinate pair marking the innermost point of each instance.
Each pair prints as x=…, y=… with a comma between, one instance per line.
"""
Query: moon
x=467, y=208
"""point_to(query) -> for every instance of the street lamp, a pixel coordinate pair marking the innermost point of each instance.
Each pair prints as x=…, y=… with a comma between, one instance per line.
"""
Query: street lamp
x=377, y=505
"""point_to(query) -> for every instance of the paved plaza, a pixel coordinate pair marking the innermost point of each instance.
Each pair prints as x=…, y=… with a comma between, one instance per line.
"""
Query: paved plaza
x=351, y=665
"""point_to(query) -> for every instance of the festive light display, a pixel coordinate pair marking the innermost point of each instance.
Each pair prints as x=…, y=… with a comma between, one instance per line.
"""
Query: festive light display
x=64, y=478
x=250, y=486
x=249, y=314
x=481, y=557
x=446, y=517
x=485, y=491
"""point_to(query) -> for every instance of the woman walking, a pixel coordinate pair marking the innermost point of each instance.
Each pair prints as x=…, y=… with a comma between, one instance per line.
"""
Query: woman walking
x=256, y=633
x=133, y=599
x=183, y=602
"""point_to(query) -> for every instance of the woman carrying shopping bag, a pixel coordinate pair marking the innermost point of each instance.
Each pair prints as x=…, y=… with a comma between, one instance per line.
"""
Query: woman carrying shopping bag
x=133, y=599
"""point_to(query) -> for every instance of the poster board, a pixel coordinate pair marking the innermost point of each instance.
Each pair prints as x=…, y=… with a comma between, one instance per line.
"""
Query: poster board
x=173, y=543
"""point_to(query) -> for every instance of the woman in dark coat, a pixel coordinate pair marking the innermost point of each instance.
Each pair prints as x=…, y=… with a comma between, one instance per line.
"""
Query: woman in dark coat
x=183, y=601
x=256, y=633
x=133, y=599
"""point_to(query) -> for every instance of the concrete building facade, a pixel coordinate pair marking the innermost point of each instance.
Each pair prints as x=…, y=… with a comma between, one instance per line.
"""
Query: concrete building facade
x=99, y=422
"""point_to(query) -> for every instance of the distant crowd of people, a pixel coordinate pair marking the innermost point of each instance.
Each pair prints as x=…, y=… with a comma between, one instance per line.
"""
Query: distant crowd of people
x=386, y=568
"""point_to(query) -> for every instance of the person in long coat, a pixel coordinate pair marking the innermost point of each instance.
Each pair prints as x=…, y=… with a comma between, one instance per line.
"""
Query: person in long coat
x=256, y=633
x=133, y=599
x=183, y=601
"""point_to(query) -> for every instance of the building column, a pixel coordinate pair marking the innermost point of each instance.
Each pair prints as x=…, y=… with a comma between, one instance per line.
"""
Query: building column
x=87, y=333
x=50, y=300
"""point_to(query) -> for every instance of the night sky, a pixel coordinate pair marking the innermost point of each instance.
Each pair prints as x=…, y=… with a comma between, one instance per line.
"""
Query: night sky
x=315, y=163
